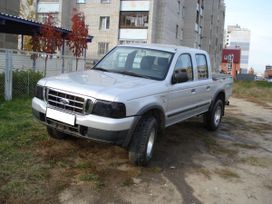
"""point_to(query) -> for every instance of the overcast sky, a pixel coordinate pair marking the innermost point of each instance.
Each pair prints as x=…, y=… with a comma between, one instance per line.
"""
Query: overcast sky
x=256, y=15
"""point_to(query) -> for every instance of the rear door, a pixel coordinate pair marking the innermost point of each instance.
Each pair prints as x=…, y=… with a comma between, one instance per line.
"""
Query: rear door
x=204, y=83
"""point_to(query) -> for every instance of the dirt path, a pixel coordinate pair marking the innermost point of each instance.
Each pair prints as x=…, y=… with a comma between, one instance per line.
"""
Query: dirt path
x=191, y=165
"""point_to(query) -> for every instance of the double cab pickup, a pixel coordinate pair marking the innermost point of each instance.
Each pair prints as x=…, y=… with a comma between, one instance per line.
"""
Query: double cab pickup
x=131, y=95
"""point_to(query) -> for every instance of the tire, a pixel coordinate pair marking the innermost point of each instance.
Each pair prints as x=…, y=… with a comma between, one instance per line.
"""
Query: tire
x=55, y=133
x=143, y=141
x=212, y=118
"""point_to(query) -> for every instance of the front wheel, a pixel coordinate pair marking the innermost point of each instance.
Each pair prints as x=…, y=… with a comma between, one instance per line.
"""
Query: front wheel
x=212, y=118
x=143, y=141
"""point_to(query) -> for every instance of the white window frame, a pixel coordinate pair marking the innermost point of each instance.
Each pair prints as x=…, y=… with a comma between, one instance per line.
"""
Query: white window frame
x=103, y=48
x=104, y=24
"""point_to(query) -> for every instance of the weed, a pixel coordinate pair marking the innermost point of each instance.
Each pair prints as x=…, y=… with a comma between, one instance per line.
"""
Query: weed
x=127, y=182
x=89, y=177
x=226, y=174
x=156, y=169
x=256, y=91
x=83, y=165
x=204, y=172
x=255, y=161
x=215, y=148
x=245, y=146
x=210, y=142
x=269, y=187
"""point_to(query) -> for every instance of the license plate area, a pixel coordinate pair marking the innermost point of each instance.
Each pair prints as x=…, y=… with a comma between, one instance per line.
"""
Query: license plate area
x=61, y=116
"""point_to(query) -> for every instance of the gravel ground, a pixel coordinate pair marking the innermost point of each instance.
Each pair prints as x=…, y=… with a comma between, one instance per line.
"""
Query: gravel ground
x=190, y=165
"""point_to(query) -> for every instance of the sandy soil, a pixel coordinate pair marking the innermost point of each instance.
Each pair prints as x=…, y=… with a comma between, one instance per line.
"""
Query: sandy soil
x=190, y=165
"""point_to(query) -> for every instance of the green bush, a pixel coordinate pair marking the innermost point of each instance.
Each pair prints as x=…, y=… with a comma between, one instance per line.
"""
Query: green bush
x=23, y=83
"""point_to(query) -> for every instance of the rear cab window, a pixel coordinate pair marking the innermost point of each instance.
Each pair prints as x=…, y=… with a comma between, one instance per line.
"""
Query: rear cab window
x=202, y=67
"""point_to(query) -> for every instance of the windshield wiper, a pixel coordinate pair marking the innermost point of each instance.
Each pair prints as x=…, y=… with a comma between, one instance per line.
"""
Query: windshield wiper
x=134, y=74
x=100, y=69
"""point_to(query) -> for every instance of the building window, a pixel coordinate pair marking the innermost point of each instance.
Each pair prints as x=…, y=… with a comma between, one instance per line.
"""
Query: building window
x=177, y=28
x=197, y=17
x=104, y=23
x=184, y=64
x=179, y=8
x=105, y=1
x=81, y=1
x=103, y=48
x=202, y=67
x=42, y=17
x=134, y=19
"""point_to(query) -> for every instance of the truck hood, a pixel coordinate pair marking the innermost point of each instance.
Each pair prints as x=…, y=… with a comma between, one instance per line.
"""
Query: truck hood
x=101, y=85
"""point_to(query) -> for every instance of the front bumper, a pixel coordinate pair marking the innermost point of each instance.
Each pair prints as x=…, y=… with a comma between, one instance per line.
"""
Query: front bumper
x=89, y=126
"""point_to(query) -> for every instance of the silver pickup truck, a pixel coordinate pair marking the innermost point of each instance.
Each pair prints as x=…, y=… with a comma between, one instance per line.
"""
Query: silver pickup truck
x=131, y=95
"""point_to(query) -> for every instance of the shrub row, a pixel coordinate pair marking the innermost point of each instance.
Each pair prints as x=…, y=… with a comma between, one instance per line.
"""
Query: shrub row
x=23, y=83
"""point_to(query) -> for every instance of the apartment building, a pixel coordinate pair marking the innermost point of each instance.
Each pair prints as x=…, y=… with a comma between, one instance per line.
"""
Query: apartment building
x=11, y=7
x=213, y=32
x=112, y=22
x=60, y=9
x=237, y=37
x=193, y=23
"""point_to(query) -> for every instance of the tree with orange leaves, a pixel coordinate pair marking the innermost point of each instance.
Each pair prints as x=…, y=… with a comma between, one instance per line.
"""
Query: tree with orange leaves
x=36, y=47
x=50, y=39
x=77, y=39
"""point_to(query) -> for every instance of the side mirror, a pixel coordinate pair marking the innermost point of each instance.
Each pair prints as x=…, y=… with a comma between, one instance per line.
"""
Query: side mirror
x=179, y=77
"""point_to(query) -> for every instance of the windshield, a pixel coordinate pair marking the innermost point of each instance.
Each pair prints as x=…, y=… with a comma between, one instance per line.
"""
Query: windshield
x=138, y=62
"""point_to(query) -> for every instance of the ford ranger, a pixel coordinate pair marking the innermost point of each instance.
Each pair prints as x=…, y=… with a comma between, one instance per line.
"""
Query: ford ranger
x=131, y=95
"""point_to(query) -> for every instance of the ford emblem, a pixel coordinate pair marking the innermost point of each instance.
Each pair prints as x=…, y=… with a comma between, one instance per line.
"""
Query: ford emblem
x=64, y=101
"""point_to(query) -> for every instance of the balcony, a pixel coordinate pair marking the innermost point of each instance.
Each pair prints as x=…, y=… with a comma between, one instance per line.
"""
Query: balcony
x=135, y=5
x=133, y=34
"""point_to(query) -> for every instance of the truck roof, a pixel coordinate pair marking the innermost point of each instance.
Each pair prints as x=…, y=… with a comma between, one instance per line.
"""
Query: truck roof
x=164, y=47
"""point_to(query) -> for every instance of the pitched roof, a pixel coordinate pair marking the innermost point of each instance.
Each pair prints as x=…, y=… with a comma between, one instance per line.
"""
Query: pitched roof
x=20, y=26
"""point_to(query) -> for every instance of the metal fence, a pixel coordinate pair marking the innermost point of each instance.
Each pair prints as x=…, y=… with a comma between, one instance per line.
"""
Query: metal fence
x=20, y=70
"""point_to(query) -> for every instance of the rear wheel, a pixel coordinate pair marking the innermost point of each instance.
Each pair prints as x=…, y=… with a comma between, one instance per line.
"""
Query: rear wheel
x=52, y=132
x=143, y=141
x=212, y=118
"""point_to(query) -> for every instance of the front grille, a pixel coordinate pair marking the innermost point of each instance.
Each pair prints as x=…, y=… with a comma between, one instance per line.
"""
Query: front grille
x=65, y=101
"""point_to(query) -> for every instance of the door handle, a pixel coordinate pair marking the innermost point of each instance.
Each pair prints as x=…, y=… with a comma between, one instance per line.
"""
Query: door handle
x=208, y=88
x=193, y=91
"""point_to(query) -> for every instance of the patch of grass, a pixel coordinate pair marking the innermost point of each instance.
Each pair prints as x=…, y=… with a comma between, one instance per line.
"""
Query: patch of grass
x=245, y=146
x=210, y=142
x=91, y=177
x=83, y=165
x=204, y=172
x=256, y=161
x=127, y=182
x=23, y=173
x=269, y=187
x=226, y=174
x=255, y=91
x=156, y=169
x=215, y=148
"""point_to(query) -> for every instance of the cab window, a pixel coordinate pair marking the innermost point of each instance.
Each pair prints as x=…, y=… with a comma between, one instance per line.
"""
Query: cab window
x=184, y=64
x=202, y=67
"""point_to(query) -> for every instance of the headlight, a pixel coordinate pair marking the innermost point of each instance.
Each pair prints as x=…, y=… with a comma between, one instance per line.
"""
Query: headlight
x=39, y=92
x=109, y=109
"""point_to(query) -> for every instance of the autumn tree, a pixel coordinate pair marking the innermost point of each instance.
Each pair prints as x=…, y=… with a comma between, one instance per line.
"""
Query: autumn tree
x=77, y=39
x=50, y=39
x=36, y=47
